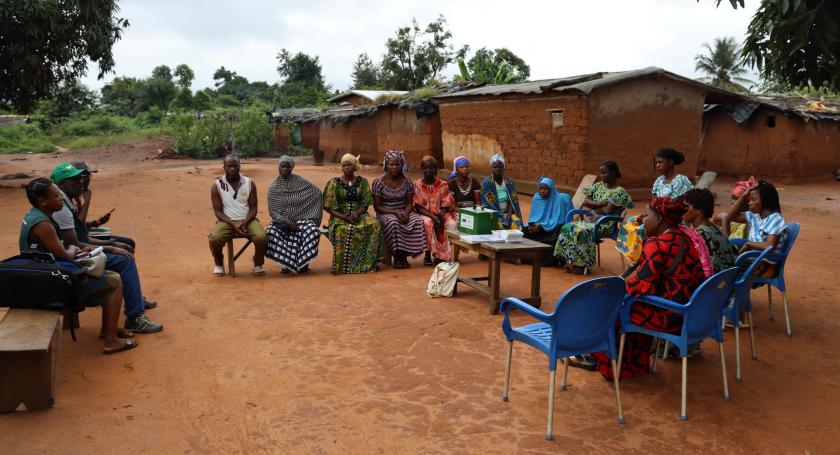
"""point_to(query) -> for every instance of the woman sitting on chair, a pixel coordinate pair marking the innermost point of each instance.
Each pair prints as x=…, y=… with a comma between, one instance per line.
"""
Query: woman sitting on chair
x=355, y=235
x=700, y=205
x=670, y=267
x=548, y=212
x=436, y=207
x=294, y=204
x=576, y=243
x=465, y=189
x=764, y=221
x=393, y=200
x=499, y=193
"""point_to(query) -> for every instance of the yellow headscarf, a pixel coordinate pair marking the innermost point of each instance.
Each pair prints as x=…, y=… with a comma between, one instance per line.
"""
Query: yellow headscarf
x=352, y=159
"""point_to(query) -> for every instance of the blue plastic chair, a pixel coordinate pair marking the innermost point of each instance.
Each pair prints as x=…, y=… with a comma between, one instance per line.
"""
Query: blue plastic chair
x=701, y=319
x=599, y=238
x=583, y=322
x=779, y=257
x=748, y=262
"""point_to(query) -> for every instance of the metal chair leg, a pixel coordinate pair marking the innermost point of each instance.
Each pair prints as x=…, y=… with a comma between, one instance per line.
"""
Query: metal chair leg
x=752, y=336
x=723, y=370
x=787, y=315
x=770, y=303
x=665, y=351
x=507, y=370
x=617, y=393
x=617, y=370
x=565, y=374
x=683, y=415
x=737, y=353
x=548, y=431
x=656, y=343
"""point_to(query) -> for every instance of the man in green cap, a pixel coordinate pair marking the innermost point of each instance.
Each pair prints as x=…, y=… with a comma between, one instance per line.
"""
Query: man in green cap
x=119, y=259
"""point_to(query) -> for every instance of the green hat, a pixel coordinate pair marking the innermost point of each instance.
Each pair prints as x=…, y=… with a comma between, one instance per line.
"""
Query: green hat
x=63, y=172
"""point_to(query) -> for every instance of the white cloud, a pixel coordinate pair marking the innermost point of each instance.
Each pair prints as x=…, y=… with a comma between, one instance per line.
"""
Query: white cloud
x=557, y=38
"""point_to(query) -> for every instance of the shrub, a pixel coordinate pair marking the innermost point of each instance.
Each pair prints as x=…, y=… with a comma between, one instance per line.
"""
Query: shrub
x=252, y=134
x=94, y=125
x=210, y=136
x=24, y=137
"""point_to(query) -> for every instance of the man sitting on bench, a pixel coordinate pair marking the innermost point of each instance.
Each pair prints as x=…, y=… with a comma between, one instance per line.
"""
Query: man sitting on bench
x=234, y=199
x=119, y=259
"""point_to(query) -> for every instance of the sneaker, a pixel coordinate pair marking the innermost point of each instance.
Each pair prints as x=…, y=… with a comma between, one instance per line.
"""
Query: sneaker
x=259, y=270
x=142, y=324
x=218, y=270
x=149, y=304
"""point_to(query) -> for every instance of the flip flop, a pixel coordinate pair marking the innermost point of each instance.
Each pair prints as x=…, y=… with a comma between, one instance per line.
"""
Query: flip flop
x=127, y=346
x=121, y=333
x=585, y=362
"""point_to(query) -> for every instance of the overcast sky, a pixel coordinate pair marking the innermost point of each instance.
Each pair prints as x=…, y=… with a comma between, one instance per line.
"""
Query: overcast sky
x=556, y=38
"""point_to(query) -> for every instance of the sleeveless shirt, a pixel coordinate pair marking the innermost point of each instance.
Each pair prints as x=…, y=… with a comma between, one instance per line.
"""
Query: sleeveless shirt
x=234, y=202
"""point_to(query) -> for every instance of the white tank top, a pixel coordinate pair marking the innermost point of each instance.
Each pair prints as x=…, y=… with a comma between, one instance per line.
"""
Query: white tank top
x=234, y=202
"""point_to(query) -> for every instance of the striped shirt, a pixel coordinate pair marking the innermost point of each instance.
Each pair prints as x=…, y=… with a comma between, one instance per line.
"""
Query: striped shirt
x=760, y=227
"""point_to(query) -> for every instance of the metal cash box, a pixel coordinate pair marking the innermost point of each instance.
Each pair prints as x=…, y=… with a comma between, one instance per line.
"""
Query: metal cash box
x=477, y=221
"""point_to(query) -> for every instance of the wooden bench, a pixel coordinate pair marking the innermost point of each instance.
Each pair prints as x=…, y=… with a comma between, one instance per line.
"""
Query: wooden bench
x=29, y=345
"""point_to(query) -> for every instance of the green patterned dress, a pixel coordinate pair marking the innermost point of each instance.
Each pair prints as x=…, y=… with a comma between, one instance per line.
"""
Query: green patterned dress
x=357, y=248
x=576, y=242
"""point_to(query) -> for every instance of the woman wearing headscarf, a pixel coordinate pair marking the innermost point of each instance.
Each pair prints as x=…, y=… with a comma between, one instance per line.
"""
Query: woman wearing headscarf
x=669, y=184
x=670, y=267
x=465, y=189
x=548, y=212
x=499, y=193
x=354, y=234
x=436, y=207
x=294, y=204
x=393, y=200
x=576, y=242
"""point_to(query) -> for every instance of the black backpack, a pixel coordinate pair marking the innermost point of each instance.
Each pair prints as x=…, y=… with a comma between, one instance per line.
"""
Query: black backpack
x=39, y=281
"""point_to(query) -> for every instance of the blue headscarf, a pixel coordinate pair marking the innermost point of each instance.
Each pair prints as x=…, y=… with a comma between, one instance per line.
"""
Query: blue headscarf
x=551, y=212
x=456, y=163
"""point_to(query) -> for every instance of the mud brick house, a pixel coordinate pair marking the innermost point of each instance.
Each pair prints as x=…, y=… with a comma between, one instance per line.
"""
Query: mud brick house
x=308, y=131
x=359, y=97
x=777, y=138
x=565, y=128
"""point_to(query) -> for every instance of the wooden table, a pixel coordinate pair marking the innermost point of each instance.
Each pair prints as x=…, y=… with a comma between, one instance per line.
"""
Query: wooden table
x=496, y=253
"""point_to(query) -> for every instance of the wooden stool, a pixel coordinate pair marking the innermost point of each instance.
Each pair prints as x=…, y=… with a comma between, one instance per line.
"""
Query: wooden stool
x=29, y=344
x=230, y=256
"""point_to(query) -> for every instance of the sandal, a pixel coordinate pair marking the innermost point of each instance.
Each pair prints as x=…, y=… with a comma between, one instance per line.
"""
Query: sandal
x=121, y=333
x=126, y=346
x=585, y=362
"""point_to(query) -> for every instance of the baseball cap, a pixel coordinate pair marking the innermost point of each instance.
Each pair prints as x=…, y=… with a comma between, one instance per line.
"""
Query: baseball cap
x=63, y=172
x=82, y=165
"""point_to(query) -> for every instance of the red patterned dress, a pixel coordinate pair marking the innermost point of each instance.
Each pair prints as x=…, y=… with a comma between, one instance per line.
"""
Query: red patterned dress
x=669, y=267
x=434, y=198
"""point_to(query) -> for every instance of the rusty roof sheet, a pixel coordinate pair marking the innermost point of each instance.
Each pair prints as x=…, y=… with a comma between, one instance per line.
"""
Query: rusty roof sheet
x=808, y=108
x=583, y=84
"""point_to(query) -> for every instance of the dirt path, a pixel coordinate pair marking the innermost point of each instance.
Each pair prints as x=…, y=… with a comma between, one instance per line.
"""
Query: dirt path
x=368, y=364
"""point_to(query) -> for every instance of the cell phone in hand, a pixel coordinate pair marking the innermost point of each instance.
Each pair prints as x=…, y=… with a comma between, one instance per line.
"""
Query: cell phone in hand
x=96, y=251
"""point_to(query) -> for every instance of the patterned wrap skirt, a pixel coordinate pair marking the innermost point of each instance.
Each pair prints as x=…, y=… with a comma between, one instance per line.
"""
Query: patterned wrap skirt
x=293, y=250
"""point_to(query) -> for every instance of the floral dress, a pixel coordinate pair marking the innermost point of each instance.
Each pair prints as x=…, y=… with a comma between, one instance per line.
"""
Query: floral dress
x=722, y=252
x=357, y=248
x=434, y=198
x=576, y=242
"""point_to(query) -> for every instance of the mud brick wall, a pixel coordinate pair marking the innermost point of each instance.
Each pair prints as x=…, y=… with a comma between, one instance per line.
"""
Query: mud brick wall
x=629, y=122
x=356, y=136
x=282, y=138
x=400, y=129
x=310, y=134
x=521, y=128
x=792, y=149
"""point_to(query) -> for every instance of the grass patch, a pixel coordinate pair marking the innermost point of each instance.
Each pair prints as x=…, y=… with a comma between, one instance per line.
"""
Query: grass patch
x=23, y=138
x=102, y=140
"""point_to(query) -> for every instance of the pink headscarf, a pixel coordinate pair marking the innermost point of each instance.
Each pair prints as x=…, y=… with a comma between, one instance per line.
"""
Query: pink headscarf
x=702, y=249
x=742, y=187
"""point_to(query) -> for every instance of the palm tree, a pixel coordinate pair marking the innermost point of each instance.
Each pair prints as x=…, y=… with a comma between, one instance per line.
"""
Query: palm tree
x=723, y=65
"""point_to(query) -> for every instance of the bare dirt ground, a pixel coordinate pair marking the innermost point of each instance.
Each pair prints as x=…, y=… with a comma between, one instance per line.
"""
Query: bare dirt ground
x=367, y=364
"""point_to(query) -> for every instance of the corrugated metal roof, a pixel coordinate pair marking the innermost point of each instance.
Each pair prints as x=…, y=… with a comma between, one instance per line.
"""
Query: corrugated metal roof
x=369, y=94
x=584, y=84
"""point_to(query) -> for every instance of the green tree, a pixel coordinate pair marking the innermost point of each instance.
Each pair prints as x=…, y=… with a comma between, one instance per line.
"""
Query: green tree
x=414, y=57
x=794, y=43
x=120, y=96
x=365, y=73
x=722, y=65
x=185, y=76
x=300, y=68
x=202, y=101
x=155, y=91
x=500, y=66
x=68, y=98
x=46, y=44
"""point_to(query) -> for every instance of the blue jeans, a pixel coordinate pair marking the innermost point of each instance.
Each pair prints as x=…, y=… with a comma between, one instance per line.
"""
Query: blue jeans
x=132, y=295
